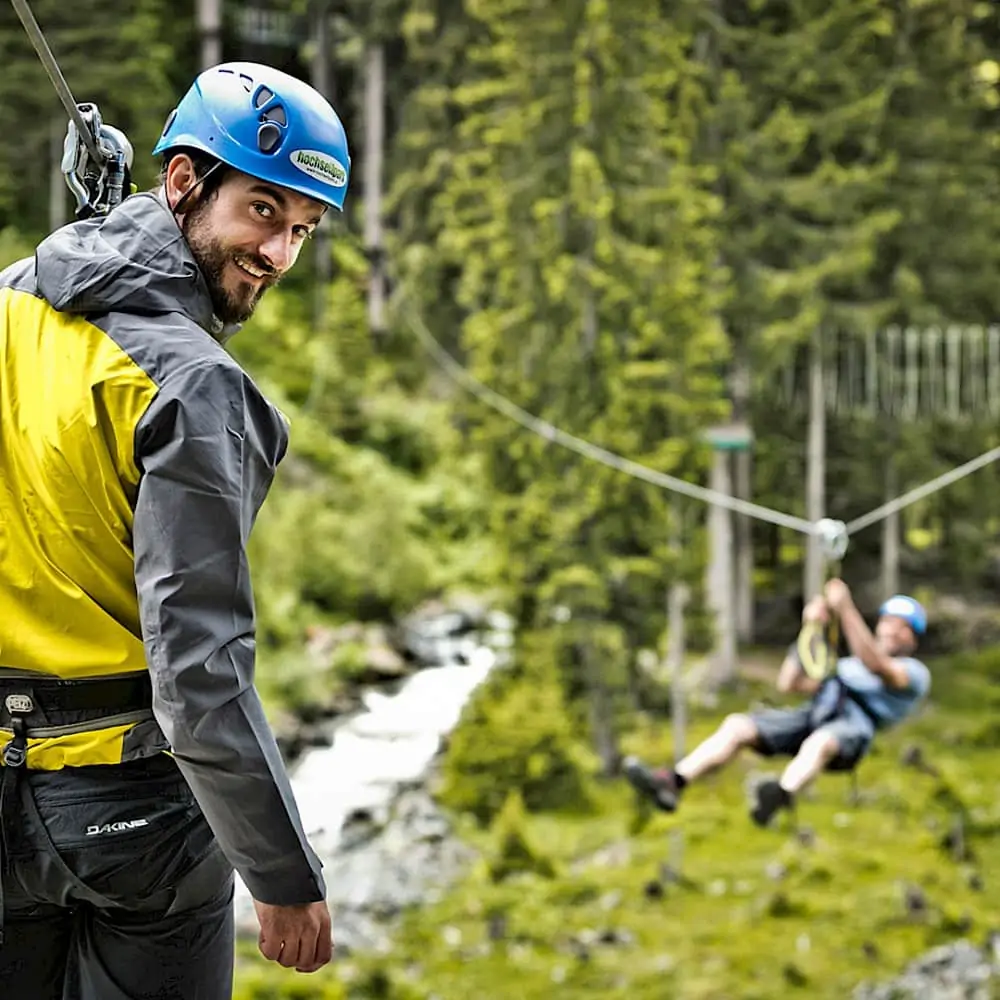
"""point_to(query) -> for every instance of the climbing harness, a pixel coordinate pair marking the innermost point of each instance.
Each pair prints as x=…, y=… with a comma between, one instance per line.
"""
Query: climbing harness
x=97, y=158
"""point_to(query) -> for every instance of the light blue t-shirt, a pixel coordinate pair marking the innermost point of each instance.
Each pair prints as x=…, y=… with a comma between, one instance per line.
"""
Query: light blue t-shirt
x=888, y=705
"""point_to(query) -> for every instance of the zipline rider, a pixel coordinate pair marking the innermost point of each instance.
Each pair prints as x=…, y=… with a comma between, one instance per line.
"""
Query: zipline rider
x=135, y=454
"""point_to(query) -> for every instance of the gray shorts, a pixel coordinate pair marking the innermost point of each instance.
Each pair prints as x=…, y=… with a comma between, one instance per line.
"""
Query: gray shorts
x=781, y=732
x=97, y=912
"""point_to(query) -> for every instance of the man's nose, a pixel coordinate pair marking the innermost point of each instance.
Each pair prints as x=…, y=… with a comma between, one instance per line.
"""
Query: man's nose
x=277, y=250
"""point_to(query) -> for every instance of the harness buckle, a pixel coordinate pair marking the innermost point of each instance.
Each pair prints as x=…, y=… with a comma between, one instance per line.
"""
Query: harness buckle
x=15, y=753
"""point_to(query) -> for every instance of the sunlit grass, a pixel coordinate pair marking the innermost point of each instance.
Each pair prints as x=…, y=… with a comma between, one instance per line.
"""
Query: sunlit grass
x=758, y=914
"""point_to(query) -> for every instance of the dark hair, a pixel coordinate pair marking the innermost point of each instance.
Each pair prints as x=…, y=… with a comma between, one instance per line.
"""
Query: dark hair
x=203, y=167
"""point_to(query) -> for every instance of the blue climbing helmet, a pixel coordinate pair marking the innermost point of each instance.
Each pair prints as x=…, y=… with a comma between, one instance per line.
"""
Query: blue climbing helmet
x=266, y=124
x=910, y=610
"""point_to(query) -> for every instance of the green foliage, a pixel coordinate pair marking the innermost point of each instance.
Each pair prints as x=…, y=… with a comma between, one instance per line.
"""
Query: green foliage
x=514, y=853
x=514, y=737
x=12, y=246
x=818, y=903
x=126, y=59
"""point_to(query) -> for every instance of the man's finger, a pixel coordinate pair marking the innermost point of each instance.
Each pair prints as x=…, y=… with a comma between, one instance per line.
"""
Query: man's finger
x=322, y=949
x=270, y=947
x=289, y=956
x=307, y=950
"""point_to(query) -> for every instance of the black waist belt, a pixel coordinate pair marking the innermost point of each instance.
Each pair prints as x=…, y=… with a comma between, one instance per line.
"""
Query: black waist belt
x=51, y=696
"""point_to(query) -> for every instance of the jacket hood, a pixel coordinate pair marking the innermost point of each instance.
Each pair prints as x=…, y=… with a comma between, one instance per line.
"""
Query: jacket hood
x=134, y=260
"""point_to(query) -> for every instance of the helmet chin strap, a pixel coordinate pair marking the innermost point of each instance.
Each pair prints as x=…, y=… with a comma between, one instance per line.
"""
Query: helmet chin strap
x=178, y=208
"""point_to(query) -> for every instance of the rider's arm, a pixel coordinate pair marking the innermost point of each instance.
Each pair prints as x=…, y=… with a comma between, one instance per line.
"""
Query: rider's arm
x=863, y=645
x=792, y=678
x=207, y=450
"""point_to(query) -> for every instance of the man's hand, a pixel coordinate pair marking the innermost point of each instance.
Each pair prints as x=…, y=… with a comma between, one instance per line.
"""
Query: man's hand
x=816, y=611
x=298, y=937
x=838, y=595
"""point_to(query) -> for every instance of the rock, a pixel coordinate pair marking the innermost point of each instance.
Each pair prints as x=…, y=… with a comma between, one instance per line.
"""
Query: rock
x=775, y=871
x=610, y=900
x=384, y=662
x=386, y=868
x=958, y=971
x=914, y=901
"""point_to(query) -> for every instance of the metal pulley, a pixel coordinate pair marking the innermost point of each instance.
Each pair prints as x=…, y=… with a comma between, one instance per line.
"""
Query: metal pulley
x=97, y=184
x=832, y=537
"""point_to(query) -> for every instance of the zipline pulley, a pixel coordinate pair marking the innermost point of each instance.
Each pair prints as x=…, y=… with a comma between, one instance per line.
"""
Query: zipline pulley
x=832, y=537
x=97, y=185
x=97, y=158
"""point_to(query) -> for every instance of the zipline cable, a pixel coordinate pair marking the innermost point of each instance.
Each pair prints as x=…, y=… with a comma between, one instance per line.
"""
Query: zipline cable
x=552, y=433
x=918, y=493
x=48, y=60
x=833, y=535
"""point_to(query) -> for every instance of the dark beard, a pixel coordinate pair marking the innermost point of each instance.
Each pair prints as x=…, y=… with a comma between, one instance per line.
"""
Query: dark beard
x=212, y=258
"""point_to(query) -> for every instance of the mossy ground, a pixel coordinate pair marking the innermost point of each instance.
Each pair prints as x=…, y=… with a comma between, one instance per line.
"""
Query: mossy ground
x=759, y=914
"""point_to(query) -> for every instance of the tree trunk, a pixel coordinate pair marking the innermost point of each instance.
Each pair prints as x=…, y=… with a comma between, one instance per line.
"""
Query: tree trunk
x=209, y=14
x=601, y=705
x=57, y=182
x=374, y=146
x=319, y=14
x=890, y=535
x=743, y=488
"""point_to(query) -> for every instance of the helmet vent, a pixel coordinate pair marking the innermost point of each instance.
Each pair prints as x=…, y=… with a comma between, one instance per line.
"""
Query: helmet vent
x=276, y=115
x=268, y=137
x=170, y=120
x=262, y=96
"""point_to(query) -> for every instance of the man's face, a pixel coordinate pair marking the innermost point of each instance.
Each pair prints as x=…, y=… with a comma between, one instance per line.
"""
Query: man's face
x=894, y=635
x=245, y=237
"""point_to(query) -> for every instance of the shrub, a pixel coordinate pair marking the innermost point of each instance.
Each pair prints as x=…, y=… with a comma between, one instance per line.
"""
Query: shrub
x=514, y=737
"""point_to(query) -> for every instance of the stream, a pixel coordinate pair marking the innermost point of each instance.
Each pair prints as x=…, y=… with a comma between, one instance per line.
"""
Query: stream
x=384, y=843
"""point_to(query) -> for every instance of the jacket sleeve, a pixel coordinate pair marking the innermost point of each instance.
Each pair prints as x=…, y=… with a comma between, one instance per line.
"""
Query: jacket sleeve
x=207, y=450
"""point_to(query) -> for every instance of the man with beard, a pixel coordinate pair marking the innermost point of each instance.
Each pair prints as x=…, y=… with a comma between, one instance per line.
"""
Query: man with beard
x=135, y=453
x=876, y=687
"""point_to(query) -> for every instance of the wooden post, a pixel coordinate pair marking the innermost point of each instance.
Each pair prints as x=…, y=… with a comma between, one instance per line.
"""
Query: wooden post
x=812, y=582
x=720, y=579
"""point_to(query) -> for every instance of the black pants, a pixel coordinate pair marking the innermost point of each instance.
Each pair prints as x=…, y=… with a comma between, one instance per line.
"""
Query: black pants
x=114, y=888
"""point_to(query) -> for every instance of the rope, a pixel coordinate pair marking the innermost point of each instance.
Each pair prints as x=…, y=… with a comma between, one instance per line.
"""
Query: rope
x=55, y=75
x=918, y=493
x=833, y=535
x=552, y=433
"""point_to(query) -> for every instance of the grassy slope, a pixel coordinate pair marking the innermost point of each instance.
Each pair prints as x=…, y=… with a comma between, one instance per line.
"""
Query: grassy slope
x=733, y=930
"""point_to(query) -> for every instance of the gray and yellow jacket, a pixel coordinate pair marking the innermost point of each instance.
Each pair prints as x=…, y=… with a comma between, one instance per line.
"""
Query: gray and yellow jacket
x=134, y=456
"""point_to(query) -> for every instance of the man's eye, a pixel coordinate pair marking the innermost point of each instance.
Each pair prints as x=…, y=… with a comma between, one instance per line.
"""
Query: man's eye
x=303, y=232
x=263, y=210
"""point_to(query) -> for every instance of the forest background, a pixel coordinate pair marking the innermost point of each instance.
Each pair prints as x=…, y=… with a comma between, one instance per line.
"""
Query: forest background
x=637, y=221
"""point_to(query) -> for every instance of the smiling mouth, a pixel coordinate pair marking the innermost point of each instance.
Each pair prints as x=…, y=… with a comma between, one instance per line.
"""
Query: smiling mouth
x=248, y=269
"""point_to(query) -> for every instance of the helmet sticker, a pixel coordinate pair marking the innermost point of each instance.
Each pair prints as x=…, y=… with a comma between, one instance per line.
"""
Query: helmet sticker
x=320, y=166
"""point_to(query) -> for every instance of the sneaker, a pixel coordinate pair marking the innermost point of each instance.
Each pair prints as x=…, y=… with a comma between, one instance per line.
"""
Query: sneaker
x=658, y=785
x=770, y=798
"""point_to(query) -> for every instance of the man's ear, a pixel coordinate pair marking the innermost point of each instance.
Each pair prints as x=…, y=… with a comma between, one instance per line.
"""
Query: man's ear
x=179, y=180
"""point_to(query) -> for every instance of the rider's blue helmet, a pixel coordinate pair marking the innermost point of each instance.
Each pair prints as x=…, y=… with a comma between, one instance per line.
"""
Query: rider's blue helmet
x=910, y=610
x=268, y=125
